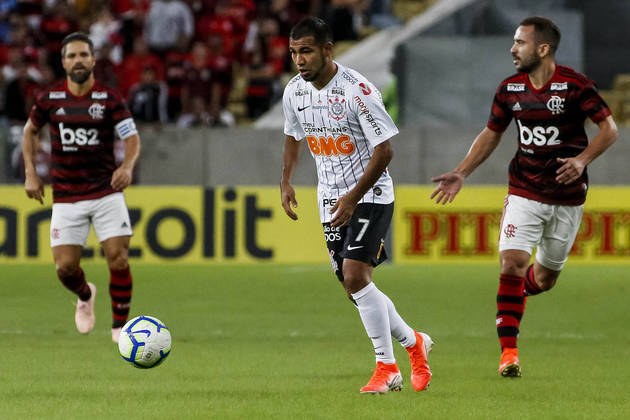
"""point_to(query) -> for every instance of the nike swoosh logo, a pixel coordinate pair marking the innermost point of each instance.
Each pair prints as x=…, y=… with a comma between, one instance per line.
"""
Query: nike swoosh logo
x=302, y=109
x=350, y=248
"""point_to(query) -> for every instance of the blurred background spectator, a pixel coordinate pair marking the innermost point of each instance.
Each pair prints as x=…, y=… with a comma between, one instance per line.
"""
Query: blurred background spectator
x=166, y=22
x=147, y=98
x=131, y=69
x=201, y=91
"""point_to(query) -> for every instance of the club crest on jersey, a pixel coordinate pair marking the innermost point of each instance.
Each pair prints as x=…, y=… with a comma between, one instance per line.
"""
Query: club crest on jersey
x=516, y=87
x=96, y=111
x=337, y=108
x=556, y=105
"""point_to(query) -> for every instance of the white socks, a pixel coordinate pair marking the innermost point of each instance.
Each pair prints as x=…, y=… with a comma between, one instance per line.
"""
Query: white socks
x=402, y=332
x=381, y=322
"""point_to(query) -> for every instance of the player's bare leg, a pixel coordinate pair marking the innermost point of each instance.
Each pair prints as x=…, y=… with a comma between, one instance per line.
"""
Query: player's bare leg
x=510, y=308
x=539, y=279
x=120, y=280
x=67, y=259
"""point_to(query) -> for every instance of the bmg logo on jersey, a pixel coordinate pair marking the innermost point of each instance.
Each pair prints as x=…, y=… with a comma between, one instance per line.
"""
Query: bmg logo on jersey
x=330, y=146
x=540, y=136
x=79, y=136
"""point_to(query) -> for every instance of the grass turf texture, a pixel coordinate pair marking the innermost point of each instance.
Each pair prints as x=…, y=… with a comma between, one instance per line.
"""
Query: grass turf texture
x=284, y=342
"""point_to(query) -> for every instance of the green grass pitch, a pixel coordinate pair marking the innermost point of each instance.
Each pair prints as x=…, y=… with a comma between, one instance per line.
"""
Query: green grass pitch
x=283, y=342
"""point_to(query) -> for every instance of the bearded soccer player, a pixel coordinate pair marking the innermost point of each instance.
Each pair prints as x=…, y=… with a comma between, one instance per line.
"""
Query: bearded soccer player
x=547, y=176
x=341, y=117
x=84, y=116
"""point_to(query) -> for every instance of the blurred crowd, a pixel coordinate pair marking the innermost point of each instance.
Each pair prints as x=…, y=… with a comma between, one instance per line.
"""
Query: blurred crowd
x=175, y=61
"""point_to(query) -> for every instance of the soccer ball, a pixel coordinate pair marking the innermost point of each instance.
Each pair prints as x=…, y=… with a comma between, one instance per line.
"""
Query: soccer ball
x=145, y=342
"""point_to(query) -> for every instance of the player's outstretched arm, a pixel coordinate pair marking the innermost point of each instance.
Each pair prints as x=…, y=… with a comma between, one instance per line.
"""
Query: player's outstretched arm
x=345, y=205
x=291, y=157
x=32, y=183
x=572, y=168
x=122, y=177
x=451, y=182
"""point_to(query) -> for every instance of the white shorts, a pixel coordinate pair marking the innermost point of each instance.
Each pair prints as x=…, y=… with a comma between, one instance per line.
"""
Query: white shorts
x=549, y=227
x=70, y=222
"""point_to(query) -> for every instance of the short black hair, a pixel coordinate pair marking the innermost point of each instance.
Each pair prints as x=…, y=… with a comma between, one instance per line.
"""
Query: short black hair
x=312, y=26
x=546, y=31
x=76, y=36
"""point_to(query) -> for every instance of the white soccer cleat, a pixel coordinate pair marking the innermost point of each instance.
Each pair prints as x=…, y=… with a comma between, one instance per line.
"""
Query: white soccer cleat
x=116, y=334
x=84, y=316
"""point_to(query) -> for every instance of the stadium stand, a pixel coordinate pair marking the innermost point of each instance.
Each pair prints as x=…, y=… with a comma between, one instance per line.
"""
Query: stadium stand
x=242, y=43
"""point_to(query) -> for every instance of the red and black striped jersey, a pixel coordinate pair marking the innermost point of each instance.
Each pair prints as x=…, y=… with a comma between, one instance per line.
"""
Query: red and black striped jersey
x=550, y=123
x=82, y=133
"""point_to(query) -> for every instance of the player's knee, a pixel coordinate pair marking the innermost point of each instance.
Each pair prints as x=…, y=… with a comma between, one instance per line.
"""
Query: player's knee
x=513, y=266
x=118, y=260
x=66, y=269
x=351, y=282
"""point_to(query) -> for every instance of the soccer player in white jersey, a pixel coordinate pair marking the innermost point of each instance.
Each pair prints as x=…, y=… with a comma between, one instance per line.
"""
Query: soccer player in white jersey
x=341, y=116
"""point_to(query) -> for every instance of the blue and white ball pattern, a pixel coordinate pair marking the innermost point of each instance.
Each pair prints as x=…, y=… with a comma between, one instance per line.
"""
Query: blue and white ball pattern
x=144, y=341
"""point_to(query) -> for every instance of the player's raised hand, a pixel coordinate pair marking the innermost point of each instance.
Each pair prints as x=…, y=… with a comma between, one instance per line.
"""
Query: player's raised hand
x=449, y=185
x=121, y=178
x=34, y=188
x=570, y=171
x=343, y=210
x=288, y=200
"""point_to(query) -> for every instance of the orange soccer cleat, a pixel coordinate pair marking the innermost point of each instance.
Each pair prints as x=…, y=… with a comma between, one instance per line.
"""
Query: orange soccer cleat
x=84, y=315
x=418, y=355
x=386, y=378
x=509, y=366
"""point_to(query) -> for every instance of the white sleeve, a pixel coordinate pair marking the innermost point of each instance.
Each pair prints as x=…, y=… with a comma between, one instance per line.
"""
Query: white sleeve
x=292, y=126
x=376, y=124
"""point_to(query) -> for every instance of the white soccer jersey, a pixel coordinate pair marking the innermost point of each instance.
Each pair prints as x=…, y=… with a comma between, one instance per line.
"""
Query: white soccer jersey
x=341, y=123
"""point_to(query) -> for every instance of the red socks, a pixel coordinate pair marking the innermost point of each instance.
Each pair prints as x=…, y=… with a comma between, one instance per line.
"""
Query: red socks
x=76, y=283
x=120, y=291
x=510, y=307
x=531, y=287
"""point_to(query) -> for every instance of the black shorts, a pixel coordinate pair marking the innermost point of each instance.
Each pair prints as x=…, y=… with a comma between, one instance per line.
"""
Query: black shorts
x=362, y=239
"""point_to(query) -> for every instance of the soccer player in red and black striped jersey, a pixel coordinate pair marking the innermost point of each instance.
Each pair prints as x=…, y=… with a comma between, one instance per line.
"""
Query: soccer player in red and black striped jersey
x=547, y=176
x=84, y=116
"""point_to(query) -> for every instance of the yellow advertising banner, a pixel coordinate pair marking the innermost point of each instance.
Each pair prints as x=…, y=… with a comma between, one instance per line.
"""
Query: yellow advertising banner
x=183, y=224
x=467, y=230
x=248, y=225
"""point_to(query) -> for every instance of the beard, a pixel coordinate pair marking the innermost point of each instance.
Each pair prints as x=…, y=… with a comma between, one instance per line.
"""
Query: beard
x=528, y=64
x=314, y=74
x=80, y=77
